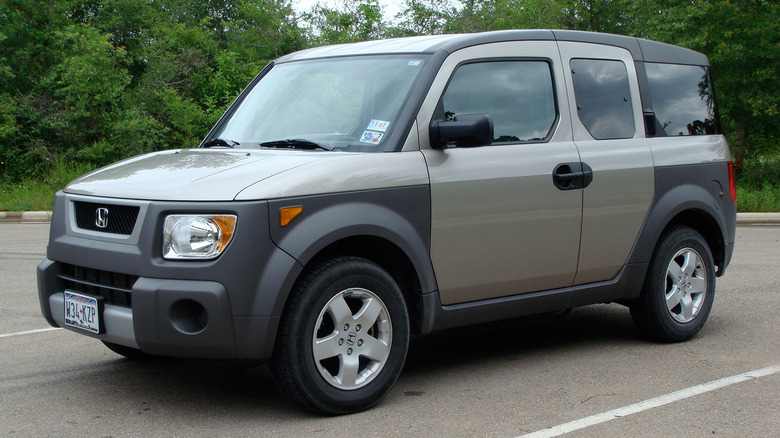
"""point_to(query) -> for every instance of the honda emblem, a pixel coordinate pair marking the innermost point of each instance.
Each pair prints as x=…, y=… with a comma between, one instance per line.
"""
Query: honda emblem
x=101, y=217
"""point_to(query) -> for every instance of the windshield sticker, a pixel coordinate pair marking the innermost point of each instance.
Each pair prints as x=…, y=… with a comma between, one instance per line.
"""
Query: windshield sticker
x=415, y=62
x=371, y=137
x=378, y=125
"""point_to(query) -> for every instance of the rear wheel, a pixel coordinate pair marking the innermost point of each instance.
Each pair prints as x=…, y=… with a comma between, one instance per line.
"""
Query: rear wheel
x=343, y=337
x=679, y=288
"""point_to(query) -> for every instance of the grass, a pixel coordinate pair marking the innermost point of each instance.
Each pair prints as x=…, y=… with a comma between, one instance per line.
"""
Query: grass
x=766, y=199
x=38, y=195
x=26, y=196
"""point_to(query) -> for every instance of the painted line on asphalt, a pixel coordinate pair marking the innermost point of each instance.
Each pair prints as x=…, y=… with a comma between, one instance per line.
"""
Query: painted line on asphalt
x=650, y=403
x=29, y=332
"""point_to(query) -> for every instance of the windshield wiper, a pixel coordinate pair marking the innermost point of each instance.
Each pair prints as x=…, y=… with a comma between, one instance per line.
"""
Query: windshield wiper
x=221, y=142
x=296, y=143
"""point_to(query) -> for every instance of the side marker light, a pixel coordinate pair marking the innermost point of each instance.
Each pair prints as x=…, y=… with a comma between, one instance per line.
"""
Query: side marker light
x=287, y=214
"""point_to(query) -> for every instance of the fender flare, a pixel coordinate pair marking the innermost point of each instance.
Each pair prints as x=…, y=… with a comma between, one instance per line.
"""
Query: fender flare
x=397, y=216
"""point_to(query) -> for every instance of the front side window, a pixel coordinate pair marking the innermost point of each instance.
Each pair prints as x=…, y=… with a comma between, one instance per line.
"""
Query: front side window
x=603, y=98
x=682, y=99
x=517, y=95
x=345, y=103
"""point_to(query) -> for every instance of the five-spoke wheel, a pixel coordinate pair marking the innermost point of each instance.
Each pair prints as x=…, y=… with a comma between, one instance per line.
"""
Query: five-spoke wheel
x=679, y=287
x=343, y=337
x=352, y=338
x=686, y=285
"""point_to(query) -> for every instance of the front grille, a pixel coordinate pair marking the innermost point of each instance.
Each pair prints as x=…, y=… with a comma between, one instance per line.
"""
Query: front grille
x=120, y=219
x=115, y=288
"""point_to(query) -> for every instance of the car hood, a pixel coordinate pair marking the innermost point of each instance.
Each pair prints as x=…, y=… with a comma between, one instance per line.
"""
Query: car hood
x=189, y=174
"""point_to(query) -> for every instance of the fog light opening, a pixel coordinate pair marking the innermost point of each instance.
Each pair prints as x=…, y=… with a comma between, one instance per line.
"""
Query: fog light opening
x=189, y=316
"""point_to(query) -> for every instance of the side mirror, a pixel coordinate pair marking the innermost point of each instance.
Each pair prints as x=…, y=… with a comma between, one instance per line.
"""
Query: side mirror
x=465, y=130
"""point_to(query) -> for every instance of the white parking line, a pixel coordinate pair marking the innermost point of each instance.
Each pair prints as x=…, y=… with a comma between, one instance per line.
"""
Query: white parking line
x=29, y=332
x=650, y=403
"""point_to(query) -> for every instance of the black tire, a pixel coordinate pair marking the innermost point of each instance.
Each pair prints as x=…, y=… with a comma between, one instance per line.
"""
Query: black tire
x=312, y=312
x=657, y=311
x=128, y=352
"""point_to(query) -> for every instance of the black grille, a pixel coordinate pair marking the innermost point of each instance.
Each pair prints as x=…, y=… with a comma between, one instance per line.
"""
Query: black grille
x=120, y=218
x=115, y=288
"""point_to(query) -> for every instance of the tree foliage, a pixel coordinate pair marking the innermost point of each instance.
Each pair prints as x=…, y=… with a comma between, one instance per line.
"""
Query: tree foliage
x=100, y=80
x=741, y=39
x=97, y=81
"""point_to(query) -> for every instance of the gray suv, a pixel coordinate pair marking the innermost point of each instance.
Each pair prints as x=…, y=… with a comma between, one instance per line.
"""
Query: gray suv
x=354, y=195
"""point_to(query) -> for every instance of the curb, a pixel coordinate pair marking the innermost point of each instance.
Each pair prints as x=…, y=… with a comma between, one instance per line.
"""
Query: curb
x=38, y=217
x=30, y=217
x=758, y=218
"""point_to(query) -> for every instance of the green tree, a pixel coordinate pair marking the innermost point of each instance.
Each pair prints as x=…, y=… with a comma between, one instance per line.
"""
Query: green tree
x=425, y=17
x=100, y=80
x=356, y=20
x=742, y=41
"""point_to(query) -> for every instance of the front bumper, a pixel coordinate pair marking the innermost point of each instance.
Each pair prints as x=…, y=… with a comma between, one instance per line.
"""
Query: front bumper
x=182, y=318
x=225, y=308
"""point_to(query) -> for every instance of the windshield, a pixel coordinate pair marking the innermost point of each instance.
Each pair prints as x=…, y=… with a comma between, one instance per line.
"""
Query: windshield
x=341, y=103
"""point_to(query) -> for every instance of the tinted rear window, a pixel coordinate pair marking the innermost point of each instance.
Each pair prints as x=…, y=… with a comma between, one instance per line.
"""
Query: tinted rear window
x=603, y=98
x=682, y=99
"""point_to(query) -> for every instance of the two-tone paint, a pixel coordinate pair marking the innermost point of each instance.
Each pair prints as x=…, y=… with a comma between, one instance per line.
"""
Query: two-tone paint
x=470, y=235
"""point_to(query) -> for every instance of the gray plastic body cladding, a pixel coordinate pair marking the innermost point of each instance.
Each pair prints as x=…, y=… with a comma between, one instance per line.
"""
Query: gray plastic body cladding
x=688, y=187
x=155, y=334
x=117, y=321
x=400, y=215
x=251, y=271
x=677, y=189
x=48, y=284
x=626, y=285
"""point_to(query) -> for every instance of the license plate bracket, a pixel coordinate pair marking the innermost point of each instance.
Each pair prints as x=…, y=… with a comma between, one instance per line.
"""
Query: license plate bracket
x=84, y=312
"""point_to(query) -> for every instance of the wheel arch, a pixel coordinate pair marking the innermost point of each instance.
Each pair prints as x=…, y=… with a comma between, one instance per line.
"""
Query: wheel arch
x=688, y=205
x=389, y=227
x=706, y=225
x=389, y=257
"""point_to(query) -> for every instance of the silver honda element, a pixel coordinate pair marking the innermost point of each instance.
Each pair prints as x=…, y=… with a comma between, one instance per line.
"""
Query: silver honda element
x=354, y=195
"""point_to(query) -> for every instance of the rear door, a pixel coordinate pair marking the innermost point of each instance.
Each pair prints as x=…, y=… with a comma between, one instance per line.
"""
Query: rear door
x=609, y=133
x=500, y=226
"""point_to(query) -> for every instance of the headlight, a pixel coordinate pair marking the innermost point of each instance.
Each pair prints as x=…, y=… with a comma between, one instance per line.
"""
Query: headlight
x=197, y=236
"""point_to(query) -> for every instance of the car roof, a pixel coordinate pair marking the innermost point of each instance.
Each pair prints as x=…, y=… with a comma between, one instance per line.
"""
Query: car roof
x=641, y=50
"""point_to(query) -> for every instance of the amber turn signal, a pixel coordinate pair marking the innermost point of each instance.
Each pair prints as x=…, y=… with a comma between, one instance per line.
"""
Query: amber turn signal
x=287, y=214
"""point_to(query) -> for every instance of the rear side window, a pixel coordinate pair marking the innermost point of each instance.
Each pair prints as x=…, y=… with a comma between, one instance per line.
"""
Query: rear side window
x=682, y=99
x=518, y=95
x=603, y=98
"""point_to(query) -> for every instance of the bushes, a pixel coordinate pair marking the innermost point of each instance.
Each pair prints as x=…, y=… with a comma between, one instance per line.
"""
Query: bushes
x=765, y=199
x=95, y=82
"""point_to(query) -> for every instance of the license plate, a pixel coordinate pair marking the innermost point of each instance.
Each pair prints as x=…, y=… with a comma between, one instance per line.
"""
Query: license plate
x=82, y=312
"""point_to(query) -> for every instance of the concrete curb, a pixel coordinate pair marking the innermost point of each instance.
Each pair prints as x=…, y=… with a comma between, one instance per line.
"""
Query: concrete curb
x=19, y=217
x=758, y=218
x=39, y=217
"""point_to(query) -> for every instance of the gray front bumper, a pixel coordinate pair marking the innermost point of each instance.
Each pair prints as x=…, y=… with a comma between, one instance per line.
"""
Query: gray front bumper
x=183, y=318
x=118, y=322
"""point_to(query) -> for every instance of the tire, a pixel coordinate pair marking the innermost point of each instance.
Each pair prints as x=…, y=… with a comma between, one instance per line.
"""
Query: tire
x=679, y=288
x=128, y=352
x=343, y=337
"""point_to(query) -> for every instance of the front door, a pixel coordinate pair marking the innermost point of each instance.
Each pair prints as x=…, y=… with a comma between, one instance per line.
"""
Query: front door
x=500, y=226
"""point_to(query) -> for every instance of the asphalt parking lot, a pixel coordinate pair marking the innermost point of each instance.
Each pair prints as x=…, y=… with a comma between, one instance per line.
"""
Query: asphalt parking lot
x=590, y=369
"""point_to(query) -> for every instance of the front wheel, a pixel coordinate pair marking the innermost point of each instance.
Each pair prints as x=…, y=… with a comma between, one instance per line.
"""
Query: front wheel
x=343, y=337
x=679, y=289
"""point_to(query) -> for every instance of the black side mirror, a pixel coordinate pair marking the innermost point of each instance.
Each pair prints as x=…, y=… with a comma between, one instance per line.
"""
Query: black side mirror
x=465, y=130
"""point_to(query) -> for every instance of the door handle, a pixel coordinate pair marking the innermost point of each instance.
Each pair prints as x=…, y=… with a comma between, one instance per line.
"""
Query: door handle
x=572, y=176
